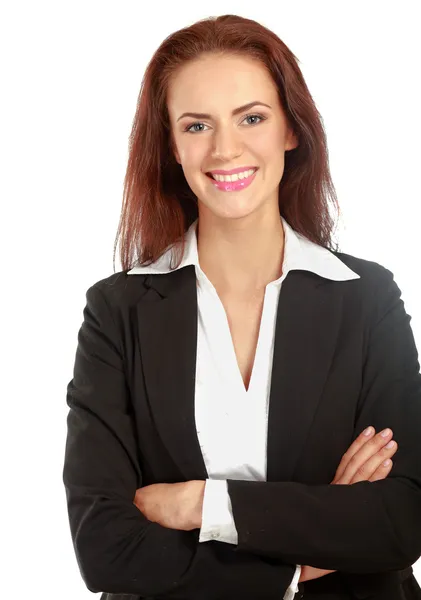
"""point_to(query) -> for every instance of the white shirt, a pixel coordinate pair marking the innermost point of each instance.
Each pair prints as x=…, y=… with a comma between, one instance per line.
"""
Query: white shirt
x=231, y=421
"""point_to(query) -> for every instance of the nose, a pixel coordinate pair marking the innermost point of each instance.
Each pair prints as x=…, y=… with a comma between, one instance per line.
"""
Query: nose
x=226, y=146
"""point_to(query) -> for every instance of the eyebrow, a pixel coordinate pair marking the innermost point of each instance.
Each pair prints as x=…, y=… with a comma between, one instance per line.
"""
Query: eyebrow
x=236, y=111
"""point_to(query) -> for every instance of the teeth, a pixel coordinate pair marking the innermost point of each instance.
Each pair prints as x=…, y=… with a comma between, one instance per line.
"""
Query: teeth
x=234, y=177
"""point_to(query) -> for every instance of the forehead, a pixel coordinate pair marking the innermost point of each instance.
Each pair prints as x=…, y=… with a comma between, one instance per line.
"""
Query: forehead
x=219, y=83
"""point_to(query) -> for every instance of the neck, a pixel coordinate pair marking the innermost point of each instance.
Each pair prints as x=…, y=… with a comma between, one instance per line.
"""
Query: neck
x=241, y=256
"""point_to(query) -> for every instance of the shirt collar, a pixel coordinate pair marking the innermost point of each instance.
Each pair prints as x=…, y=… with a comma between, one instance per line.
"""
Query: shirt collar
x=299, y=253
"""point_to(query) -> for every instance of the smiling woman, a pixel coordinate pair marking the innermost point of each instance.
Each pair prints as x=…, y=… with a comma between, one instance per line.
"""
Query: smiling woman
x=215, y=446
x=231, y=140
x=222, y=94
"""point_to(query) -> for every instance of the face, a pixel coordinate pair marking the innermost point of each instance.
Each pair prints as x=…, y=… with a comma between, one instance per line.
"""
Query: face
x=223, y=139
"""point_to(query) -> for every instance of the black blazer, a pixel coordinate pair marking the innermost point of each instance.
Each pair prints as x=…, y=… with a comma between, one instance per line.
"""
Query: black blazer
x=344, y=358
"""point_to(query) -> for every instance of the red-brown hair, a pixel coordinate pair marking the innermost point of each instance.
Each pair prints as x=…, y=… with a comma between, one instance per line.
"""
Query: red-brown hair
x=158, y=204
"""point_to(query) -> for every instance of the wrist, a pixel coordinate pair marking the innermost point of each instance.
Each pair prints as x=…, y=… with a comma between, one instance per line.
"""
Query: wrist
x=198, y=491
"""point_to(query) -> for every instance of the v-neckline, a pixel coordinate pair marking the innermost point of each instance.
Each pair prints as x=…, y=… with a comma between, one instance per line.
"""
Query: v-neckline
x=234, y=366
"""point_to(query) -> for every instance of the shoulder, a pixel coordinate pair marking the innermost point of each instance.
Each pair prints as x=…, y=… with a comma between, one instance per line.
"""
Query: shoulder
x=377, y=287
x=120, y=289
x=362, y=266
x=371, y=273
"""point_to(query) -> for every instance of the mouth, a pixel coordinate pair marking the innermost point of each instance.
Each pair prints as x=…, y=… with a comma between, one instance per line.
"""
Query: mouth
x=233, y=186
x=218, y=177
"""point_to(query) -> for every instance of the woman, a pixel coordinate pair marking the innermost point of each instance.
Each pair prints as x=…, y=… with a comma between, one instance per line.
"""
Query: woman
x=223, y=382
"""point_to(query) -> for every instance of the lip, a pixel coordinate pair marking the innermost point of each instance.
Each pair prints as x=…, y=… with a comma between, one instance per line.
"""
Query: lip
x=233, y=186
x=232, y=172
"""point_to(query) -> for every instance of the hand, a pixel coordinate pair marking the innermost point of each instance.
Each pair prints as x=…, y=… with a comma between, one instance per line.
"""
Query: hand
x=172, y=505
x=363, y=461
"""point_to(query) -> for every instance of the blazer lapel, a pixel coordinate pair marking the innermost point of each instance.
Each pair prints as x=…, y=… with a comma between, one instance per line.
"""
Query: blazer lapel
x=305, y=337
x=307, y=325
x=168, y=343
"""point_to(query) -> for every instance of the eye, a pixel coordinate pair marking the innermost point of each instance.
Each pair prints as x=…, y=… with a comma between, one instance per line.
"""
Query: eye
x=254, y=116
x=188, y=130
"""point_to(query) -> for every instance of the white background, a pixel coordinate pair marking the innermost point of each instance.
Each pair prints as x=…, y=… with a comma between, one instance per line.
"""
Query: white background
x=70, y=75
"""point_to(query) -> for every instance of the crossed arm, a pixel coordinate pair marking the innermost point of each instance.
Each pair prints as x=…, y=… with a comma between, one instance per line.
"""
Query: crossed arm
x=365, y=527
x=180, y=505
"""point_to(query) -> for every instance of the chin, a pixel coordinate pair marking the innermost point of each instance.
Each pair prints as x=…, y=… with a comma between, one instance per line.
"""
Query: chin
x=235, y=210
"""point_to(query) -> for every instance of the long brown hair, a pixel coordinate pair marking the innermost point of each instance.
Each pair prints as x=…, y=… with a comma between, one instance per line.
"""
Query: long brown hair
x=158, y=204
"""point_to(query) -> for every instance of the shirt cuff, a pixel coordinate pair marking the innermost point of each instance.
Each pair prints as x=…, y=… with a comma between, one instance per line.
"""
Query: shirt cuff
x=293, y=588
x=217, y=518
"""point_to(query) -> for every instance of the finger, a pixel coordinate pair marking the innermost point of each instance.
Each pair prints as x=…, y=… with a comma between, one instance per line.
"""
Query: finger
x=365, y=471
x=382, y=472
x=364, y=453
x=364, y=436
x=356, y=467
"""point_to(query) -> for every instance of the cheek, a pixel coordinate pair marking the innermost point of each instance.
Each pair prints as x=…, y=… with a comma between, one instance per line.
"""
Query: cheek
x=193, y=175
x=192, y=156
x=272, y=156
x=267, y=146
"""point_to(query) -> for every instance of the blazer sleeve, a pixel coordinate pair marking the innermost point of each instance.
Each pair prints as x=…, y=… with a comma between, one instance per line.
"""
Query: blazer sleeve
x=117, y=549
x=368, y=526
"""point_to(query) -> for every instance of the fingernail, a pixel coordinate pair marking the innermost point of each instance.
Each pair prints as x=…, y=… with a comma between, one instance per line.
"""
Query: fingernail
x=390, y=444
x=385, y=433
x=387, y=462
x=368, y=431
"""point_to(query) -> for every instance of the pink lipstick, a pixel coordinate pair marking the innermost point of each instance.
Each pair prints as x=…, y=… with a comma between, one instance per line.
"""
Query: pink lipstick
x=233, y=186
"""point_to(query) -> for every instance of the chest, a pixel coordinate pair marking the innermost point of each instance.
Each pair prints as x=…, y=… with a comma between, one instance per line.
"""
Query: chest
x=317, y=364
x=244, y=319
